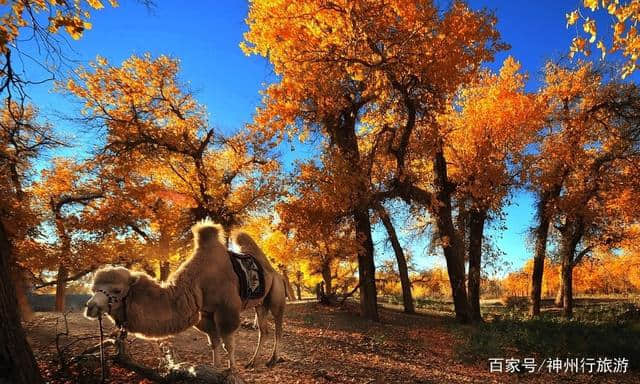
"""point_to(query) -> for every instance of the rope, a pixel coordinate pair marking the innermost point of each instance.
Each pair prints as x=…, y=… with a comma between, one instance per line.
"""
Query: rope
x=102, y=362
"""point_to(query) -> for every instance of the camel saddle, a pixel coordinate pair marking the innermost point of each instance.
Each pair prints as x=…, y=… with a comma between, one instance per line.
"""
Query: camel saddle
x=250, y=275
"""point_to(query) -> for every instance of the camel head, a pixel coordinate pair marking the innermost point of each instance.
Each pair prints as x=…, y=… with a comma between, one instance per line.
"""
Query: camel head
x=110, y=286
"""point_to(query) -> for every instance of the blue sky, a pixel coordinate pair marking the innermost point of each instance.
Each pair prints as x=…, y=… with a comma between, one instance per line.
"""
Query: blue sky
x=205, y=35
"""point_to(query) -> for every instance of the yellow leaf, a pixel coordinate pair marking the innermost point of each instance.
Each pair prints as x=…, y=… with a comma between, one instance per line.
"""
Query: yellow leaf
x=95, y=4
x=591, y=4
x=572, y=18
x=73, y=32
x=602, y=48
x=589, y=26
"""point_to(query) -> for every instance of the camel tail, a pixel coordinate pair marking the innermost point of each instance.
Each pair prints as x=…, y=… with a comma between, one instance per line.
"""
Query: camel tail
x=207, y=233
x=246, y=245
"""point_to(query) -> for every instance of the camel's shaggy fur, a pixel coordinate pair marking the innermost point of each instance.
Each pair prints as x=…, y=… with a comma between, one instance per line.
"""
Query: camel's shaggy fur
x=203, y=292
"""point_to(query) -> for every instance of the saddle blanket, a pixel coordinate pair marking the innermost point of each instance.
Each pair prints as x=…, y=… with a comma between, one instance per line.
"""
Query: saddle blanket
x=250, y=274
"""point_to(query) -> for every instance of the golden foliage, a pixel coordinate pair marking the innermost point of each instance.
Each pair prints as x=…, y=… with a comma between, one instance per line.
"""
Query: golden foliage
x=625, y=40
x=22, y=14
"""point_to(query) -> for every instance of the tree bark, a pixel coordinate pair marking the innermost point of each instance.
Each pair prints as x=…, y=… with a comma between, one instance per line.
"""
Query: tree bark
x=326, y=276
x=567, y=288
x=287, y=283
x=366, y=266
x=557, y=302
x=477, y=220
x=165, y=270
x=403, y=270
x=299, y=284
x=451, y=243
x=20, y=284
x=342, y=130
x=65, y=251
x=571, y=237
x=542, y=234
x=61, y=287
x=17, y=364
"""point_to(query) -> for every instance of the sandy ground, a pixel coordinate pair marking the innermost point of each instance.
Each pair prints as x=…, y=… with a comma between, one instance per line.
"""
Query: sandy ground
x=321, y=345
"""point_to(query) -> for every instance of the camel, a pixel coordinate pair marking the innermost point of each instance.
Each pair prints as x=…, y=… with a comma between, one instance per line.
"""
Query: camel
x=203, y=292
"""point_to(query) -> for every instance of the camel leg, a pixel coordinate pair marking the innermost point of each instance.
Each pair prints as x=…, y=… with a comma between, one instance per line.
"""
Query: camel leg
x=277, y=310
x=230, y=346
x=216, y=351
x=208, y=326
x=261, y=319
x=275, y=358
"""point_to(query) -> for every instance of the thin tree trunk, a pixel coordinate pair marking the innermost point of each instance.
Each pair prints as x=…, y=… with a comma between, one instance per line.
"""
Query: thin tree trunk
x=164, y=251
x=287, y=283
x=326, y=276
x=20, y=284
x=403, y=270
x=165, y=270
x=366, y=266
x=61, y=287
x=567, y=288
x=299, y=291
x=65, y=251
x=557, y=302
x=571, y=237
x=17, y=364
x=477, y=219
x=451, y=243
x=299, y=284
x=542, y=233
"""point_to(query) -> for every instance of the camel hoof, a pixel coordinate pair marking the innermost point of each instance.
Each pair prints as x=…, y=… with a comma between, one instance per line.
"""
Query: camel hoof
x=273, y=361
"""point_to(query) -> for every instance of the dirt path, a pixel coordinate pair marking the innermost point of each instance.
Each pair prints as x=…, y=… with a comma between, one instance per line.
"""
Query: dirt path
x=321, y=345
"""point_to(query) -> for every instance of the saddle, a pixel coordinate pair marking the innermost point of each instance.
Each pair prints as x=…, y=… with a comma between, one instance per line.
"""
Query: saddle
x=250, y=274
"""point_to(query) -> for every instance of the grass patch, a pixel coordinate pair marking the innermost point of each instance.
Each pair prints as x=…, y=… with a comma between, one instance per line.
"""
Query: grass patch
x=608, y=330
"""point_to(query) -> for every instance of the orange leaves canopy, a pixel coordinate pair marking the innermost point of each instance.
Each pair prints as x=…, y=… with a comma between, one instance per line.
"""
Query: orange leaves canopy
x=330, y=54
x=73, y=16
x=492, y=122
x=625, y=16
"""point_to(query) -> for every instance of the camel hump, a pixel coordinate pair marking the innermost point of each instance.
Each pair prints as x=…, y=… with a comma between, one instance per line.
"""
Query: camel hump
x=248, y=246
x=207, y=233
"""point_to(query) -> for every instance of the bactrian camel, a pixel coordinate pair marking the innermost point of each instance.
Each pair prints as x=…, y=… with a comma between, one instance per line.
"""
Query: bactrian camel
x=203, y=292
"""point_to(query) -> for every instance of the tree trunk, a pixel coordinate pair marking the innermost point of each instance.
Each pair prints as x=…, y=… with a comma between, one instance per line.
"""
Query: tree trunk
x=165, y=270
x=567, y=288
x=163, y=252
x=326, y=276
x=299, y=284
x=20, y=284
x=65, y=251
x=17, y=364
x=557, y=302
x=342, y=130
x=451, y=243
x=366, y=266
x=61, y=288
x=571, y=237
x=403, y=270
x=477, y=219
x=542, y=233
x=287, y=283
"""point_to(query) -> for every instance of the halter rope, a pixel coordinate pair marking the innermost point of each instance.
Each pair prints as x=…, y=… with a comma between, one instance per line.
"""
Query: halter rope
x=102, y=362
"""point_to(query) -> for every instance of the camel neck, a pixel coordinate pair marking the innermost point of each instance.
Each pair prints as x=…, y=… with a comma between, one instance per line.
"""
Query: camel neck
x=157, y=311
